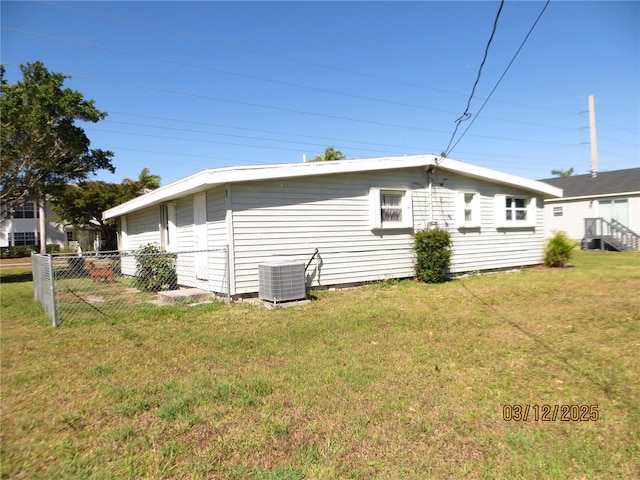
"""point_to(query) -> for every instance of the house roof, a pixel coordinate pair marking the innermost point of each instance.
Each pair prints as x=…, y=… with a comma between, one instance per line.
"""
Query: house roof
x=209, y=178
x=605, y=183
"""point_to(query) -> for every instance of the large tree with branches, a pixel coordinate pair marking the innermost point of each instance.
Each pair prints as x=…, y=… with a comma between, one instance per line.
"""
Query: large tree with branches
x=42, y=148
x=81, y=204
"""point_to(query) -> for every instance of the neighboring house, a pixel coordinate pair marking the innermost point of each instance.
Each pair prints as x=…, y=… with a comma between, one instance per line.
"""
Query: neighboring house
x=22, y=228
x=359, y=214
x=600, y=211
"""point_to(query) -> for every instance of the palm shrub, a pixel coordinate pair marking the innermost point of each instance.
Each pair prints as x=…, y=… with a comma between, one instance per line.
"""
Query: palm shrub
x=558, y=250
x=155, y=269
x=433, y=255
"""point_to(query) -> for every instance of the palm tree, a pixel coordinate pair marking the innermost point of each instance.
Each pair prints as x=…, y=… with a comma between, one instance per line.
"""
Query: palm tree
x=562, y=172
x=330, y=154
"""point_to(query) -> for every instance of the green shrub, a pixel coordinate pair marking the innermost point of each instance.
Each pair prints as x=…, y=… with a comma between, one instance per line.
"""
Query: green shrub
x=155, y=269
x=53, y=248
x=433, y=255
x=559, y=250
x=18, y=251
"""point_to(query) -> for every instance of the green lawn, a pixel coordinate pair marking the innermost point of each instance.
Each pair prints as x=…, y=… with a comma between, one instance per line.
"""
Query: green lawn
x=393, y=380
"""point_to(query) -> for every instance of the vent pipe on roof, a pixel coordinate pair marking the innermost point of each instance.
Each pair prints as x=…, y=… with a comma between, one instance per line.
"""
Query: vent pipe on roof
x=594, y=140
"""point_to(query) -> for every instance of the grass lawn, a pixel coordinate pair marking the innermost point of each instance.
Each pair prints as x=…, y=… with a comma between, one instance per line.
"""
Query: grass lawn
x=393, y=380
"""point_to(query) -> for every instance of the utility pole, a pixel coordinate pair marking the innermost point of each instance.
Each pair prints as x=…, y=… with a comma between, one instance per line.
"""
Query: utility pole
x=594, y=141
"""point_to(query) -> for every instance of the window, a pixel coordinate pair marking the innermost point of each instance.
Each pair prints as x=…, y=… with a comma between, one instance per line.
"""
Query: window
x=468, y=210
x=25, y=238
x=69, y=234
x=390, y=209
x=28, y=210
x=515, y=211
x=557, y=211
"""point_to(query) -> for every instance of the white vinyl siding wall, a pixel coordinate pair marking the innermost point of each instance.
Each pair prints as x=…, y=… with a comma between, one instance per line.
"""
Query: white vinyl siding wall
x=143, y=227
x=487, y=247
x=572, y=220
x=575, y=211
x=291, y=218
x=217, y=239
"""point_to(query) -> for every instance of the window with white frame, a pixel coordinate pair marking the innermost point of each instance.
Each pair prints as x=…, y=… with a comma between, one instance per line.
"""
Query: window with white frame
x=468, y=210
x=25, y=238
x=28, y=210
x=515, y=211
x=390, y=208
x=558, y=211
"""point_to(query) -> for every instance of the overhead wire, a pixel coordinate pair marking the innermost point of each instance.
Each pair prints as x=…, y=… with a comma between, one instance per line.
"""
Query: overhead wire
x=284, y=57
x=225, y=72
x=466, y=115
x=251, y=50
x=501, y=76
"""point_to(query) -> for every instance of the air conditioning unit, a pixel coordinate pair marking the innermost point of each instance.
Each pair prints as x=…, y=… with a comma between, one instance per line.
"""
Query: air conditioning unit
x=281, y=281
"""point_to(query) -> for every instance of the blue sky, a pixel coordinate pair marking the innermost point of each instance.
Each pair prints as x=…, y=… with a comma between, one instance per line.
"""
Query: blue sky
x=195, y=85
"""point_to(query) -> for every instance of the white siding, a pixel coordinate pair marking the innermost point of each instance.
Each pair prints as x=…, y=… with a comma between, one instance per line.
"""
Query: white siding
x=143, y=227
x=575, y=211
x=634, y=214
x=291, y=218
x=572, y=220
x=55, y=233
x=488, y=247
x=184, y=221
x=216, y=240
x=278, y=219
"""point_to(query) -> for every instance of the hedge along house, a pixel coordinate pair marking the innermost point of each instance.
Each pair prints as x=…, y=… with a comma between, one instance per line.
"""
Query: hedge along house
x=356, y=216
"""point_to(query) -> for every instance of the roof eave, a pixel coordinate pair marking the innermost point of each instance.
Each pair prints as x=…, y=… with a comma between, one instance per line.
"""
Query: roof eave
x=597, y=195
x=214, y=177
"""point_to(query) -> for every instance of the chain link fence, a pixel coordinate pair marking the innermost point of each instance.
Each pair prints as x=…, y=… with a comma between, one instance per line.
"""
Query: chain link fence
x=76, y=288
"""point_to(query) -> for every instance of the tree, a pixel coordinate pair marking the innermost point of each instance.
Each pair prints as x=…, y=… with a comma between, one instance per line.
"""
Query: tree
x=562, y=172
x=330, y=154
x=42, y=149
x=146, y=182
x=82, y=204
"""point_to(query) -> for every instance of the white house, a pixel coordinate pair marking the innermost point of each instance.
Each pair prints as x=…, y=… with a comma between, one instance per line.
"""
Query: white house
x=358, y=214
x=606, y=199
x=22, y=228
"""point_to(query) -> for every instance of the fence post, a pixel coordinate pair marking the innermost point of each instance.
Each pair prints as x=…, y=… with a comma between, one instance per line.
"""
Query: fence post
x=52, y=287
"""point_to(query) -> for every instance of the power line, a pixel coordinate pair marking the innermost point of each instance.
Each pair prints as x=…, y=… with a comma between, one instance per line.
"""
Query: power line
x=618, y=127
x=247, y=137
x=247, y=49
x=275, y=132
x=330, y=139
x=224, y=72
x=501, y=76
x=466, y=115
x=284, y=57
x=257, y=105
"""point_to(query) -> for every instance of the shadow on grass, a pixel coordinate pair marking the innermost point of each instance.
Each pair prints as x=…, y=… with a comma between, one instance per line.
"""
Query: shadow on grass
x=17, y=278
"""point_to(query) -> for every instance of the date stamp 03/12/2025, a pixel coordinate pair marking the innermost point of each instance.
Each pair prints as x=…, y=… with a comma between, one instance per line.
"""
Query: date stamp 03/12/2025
x=550, y=413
